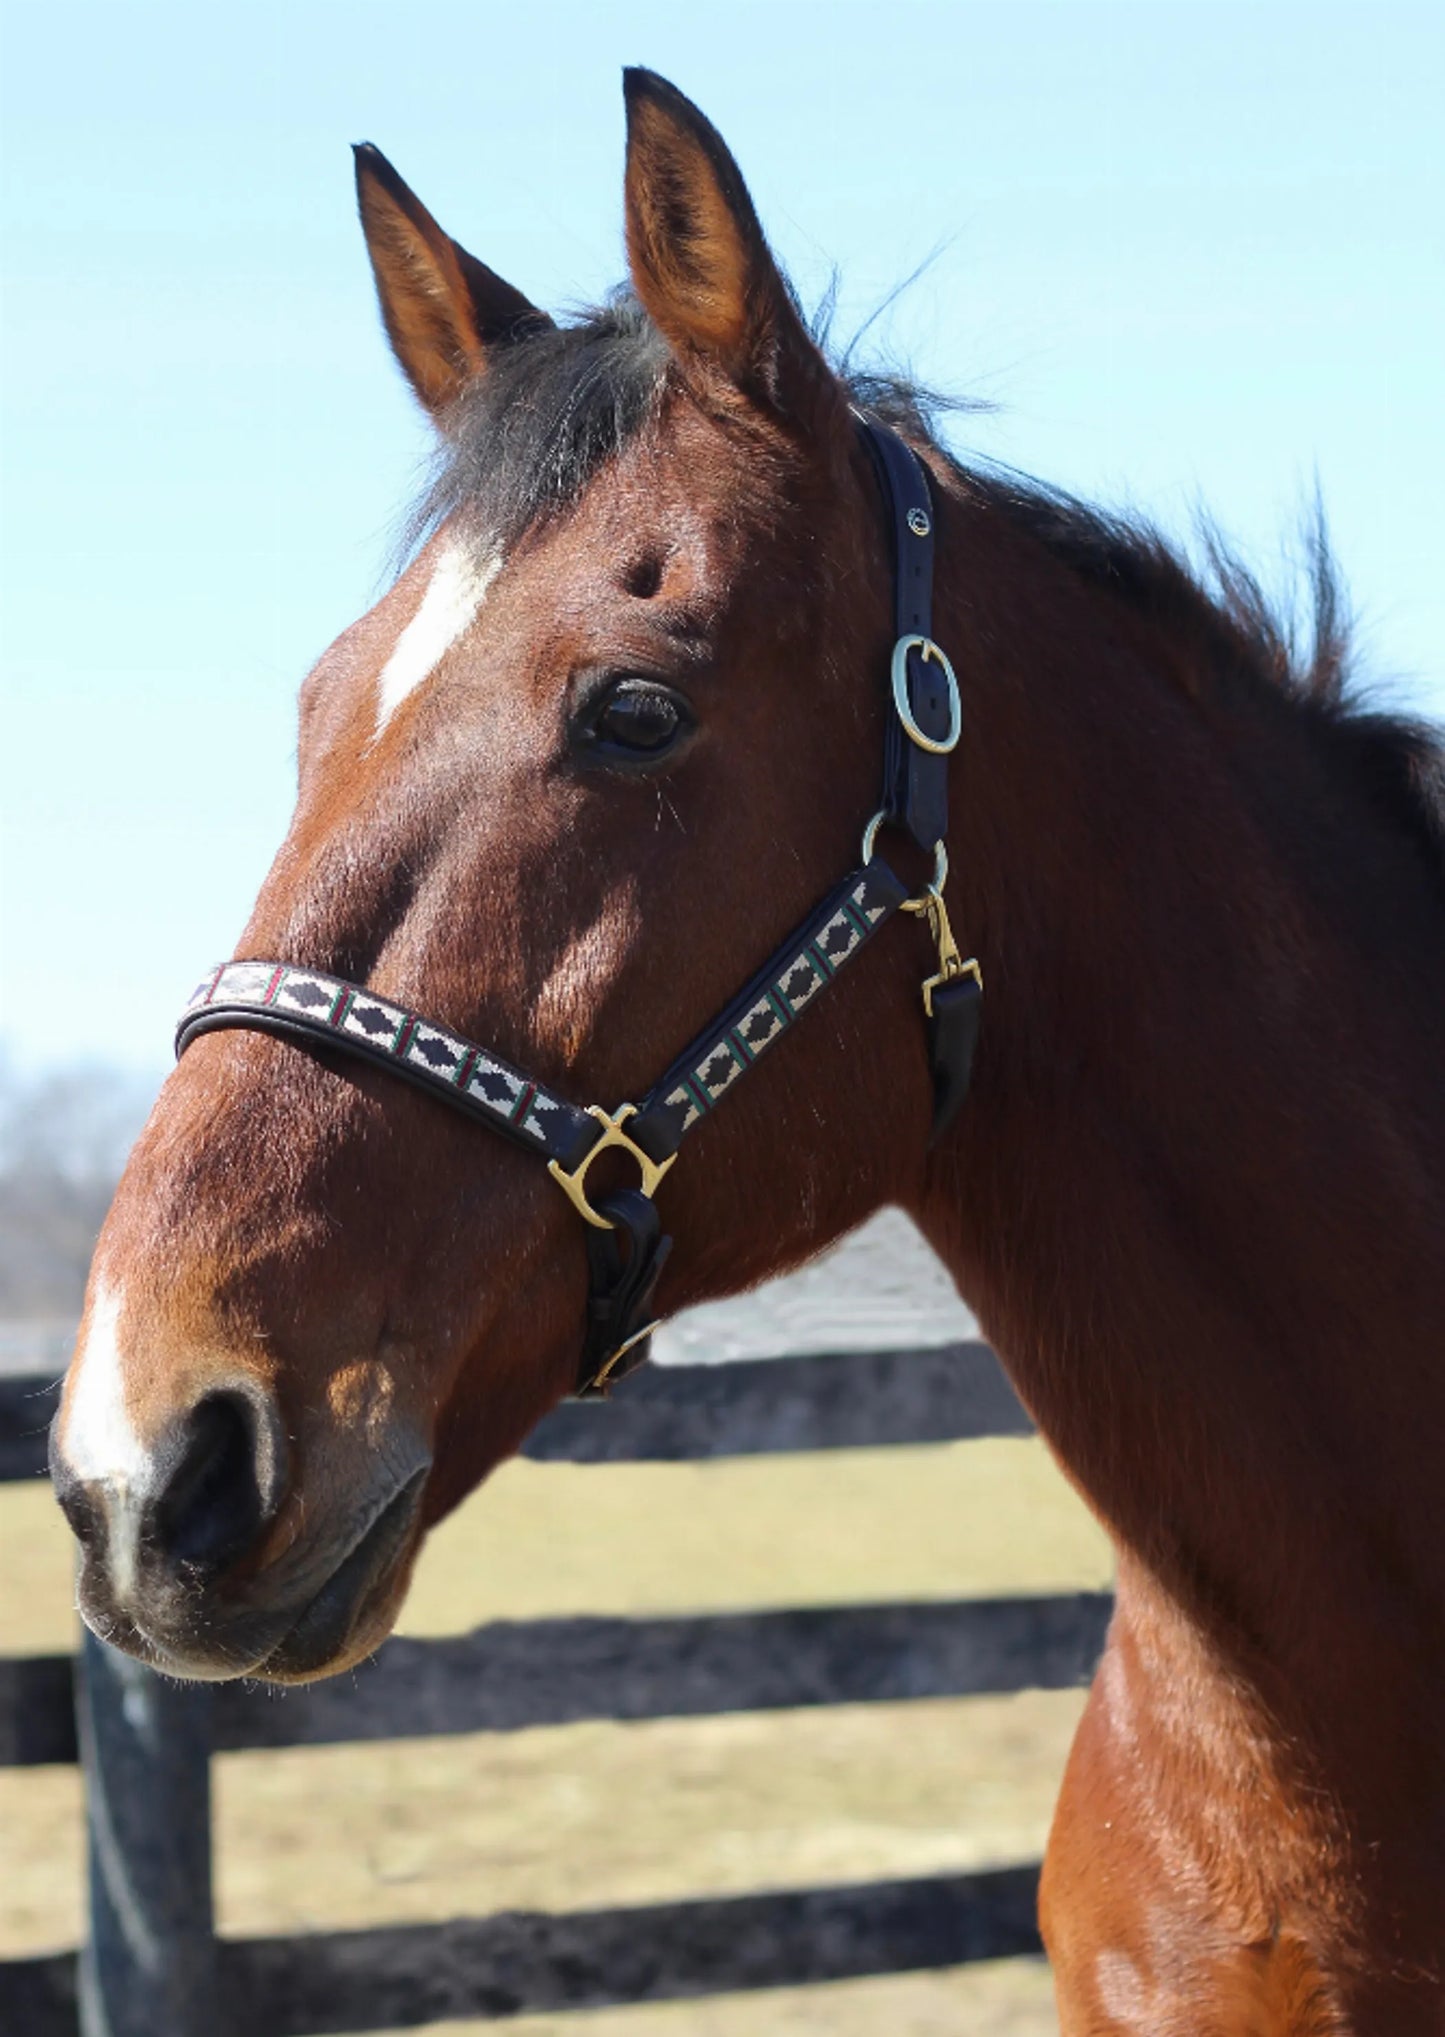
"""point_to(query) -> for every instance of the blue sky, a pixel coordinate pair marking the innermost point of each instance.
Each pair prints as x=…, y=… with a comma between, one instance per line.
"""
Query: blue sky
x=1194, y=253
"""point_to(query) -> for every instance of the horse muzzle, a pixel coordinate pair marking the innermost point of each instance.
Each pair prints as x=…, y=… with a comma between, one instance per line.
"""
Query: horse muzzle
x=185, y=1560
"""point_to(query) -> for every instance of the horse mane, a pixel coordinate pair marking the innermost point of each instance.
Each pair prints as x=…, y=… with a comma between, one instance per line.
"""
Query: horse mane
x=524, y=440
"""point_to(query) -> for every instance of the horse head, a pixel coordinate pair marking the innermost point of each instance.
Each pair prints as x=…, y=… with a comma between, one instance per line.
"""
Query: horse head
x=614, y=730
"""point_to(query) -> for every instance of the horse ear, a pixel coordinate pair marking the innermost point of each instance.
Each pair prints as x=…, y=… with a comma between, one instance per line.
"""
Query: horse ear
x=444, y=310
x=700, y=264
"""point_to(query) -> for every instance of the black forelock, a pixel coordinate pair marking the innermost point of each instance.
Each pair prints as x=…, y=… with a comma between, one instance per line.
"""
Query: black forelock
x=523, y=440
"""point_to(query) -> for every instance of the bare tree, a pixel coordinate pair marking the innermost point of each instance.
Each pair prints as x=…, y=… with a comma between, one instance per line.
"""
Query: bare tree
x=64, y=1137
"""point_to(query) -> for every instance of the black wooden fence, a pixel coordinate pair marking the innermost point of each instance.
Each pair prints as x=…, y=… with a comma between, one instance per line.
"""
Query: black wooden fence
x=152, y=1964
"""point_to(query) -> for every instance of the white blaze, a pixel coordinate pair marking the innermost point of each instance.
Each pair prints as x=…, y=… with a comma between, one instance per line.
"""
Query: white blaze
x=99, y=1438
x=456, y=591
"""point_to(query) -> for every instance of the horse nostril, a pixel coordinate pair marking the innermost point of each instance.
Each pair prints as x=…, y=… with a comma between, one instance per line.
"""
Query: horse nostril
x=224, y=1486
x=77, y=1501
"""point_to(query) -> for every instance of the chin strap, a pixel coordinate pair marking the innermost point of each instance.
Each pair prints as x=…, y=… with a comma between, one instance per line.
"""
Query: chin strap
x=620, y=1290
x=922, y=733
x=954, y=1018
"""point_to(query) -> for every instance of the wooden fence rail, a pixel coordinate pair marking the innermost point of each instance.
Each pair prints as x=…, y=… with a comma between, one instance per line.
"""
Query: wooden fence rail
x=152, y=1962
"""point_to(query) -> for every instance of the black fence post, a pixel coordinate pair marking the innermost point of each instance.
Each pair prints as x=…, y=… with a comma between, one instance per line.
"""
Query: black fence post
x=150, y=1962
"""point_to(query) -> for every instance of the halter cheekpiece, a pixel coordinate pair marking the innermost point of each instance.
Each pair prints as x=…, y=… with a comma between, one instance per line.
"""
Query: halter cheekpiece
x=626, y=1247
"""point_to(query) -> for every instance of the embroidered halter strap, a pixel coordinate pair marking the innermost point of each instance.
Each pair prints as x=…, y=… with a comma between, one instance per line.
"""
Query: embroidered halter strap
x=313, y=1008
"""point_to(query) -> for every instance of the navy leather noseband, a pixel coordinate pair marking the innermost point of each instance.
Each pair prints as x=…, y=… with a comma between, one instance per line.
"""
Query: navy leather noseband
x=626, y=1245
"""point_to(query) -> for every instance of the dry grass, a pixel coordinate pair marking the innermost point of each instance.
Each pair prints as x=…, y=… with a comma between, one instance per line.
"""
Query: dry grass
x=570, y=1817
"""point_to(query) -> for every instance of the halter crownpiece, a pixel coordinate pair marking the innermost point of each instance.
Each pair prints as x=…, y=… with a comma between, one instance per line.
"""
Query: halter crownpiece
x=314, y=1009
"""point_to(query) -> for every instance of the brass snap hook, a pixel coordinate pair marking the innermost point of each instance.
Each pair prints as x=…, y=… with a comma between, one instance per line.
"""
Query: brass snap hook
x=951, y=963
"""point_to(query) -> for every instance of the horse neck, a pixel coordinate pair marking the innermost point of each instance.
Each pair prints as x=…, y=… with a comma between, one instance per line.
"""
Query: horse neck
x=1198, y=1196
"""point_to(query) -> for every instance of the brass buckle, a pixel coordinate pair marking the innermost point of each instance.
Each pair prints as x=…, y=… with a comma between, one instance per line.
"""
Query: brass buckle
x=573, y=1185
x=600, y=1381
x=951, y=964
x=926, y=648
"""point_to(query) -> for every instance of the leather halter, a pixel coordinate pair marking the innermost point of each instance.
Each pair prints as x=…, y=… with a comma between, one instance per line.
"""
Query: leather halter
x=314, y=1009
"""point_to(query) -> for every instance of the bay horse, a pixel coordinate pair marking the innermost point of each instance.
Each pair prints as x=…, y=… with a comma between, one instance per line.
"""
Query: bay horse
x=612, y=733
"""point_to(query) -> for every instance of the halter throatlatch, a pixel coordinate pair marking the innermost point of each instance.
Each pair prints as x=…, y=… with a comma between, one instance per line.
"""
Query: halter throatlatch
x=626, y=1247
x=923, y=730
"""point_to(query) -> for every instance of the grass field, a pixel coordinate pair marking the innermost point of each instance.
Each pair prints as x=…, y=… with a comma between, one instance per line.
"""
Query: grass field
x=587, y=1815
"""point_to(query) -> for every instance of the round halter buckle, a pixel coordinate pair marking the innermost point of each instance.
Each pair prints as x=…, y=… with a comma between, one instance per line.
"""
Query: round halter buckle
x=926, y=648
x=940, y=863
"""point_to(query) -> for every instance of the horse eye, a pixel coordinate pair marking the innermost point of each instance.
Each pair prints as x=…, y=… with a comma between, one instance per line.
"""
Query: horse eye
x=639, y=716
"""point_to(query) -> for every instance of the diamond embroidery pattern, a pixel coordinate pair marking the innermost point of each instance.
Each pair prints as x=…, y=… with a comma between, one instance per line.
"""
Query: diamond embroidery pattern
x=313, y=995
x=839, y=938
x=326, y=1002
x=824, y=951
x=800, y=981
x=438, y=1052
x=496, y=1087
x=760, y=1026
x=718, y=1070
x=244, y=983
x=373, y=1020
